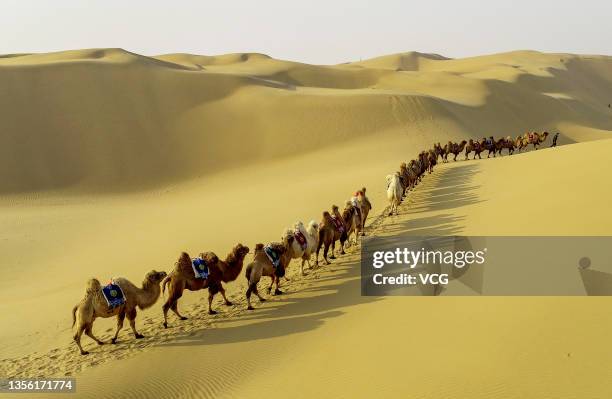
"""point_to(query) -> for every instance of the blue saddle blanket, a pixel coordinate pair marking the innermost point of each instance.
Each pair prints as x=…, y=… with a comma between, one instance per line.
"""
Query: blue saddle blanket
x=272, y=255
x=200, y=268
x=113, y=295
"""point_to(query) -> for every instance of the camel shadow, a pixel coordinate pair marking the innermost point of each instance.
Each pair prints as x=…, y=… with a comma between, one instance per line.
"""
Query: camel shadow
x=442, y=193
x=285, y=315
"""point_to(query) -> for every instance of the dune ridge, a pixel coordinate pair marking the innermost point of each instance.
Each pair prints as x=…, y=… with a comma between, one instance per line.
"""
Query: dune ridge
x=112, y=120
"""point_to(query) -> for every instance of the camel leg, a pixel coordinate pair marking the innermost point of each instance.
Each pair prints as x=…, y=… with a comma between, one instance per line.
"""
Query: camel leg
x=277, y=291
x=77, y=338
x=172, y=303
x=210, y=299
x=227, y=301
x=174, y=307
x=253, y=289
x=131, y=315
x=302, y=266
x=325, y=250
x=319, y=245
x=120, y=318
x=333, y=249
x=271, y=284
x=89, y=333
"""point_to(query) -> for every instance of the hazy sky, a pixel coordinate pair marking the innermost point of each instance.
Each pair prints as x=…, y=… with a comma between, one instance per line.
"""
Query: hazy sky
x=314, y=31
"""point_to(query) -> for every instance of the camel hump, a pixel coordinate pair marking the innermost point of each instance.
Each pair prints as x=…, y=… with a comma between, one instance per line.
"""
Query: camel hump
x=259, y=247
x=93, y=285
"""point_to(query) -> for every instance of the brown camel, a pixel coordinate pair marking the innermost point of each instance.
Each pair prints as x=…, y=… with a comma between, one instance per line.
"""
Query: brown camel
x=490, y=145
x=263, y=266
x=366, y=206
x=438, y=150
x=432, y=160
x=506, y=143
x=456, y=148
x=94, y=305
x=331, y=229
x=219, y=272
x=352, y=220
x=474, y=146
x=404, y=176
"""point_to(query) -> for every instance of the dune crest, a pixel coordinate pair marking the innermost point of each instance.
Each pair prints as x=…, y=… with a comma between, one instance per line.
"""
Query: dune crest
x=112, y=120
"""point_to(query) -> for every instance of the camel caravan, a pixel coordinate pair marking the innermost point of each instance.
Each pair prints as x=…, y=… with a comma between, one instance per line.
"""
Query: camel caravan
x=338, y=229
x=121, y=298
x=411, y=173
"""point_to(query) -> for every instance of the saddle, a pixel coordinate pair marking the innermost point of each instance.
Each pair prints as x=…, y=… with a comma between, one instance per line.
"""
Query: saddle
x=200, y=268
x=113, y=295
x=299, y=237
x=339, y=225
x=274, y=257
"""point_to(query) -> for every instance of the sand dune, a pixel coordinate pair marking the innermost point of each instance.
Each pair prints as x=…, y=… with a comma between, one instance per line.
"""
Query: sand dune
x=111, y=163
x=327, y=341
x=109, y=120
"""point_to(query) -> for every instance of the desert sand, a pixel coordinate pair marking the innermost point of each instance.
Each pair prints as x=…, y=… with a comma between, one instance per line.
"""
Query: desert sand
x=111, y=163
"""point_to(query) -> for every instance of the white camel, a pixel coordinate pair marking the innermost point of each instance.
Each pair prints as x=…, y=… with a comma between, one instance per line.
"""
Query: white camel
x=394, y=191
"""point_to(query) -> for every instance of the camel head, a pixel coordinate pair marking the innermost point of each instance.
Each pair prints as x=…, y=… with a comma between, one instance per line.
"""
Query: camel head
x=363, y=190
x=155, y=277
x=288, y=240
x=240, y=251
x=313, y=225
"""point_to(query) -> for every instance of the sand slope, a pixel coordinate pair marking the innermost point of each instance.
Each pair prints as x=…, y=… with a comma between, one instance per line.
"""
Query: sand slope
x=325, y=340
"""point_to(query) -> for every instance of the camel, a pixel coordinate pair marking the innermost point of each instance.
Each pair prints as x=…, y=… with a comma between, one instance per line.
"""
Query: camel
x=366, y=207
x=456, y=148
x=432, y=160
x=541, y=139
x=263, y=266
x=405, y=177
x=438, y=150
x=312, y=241
x=520, y=143
x=219, y=272
x=534, y=138
x=352, y=219
x=183, y=277
x=474, y=146
x=490, y=145
x=413, y=172
x=304, y=243
x=507, y=143
x=394, y=191
x=331, y=229
x=94, y=305
x=446, y=150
